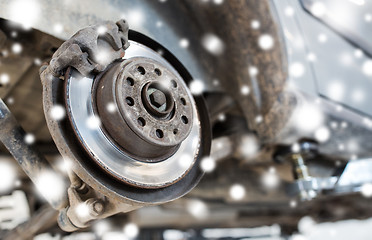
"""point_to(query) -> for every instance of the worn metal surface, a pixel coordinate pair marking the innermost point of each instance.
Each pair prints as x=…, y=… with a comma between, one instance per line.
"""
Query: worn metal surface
x=112, y=159
x=97, y=178
x=146, y=131
x=91, y=49
x=31, y=161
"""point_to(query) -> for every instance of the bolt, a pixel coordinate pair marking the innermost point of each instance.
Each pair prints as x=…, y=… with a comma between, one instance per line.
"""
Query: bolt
x=96, y=207
x=157, y=98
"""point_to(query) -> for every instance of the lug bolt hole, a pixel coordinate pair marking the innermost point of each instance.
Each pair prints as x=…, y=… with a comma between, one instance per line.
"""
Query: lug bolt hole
x=141, y=70
x=130, y=101
x=141, y=121
x=175, y=131
x=130, y=81
x=174, y=83
x=185, y=120
x=157, y=71
x=183, y=101
x=159, y=133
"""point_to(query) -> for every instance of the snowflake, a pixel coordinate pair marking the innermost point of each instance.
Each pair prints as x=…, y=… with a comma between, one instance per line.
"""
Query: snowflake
x=7, y=176
x=253, y=71
x=100, y=227
x=13, y=34
x=255, y=24
x=196, y=87
x=131, y=230
x=245, y=90
x=50, y=185
x=184, y=43
x=218, y=2
x=10, y=100
x=57, y=112
x=270, y=179
x=296, y=69
x=311, y=57
x=82, y=210
x=221, y=117
x=111, y=108
x=185, y=160
x=336, y=90
x=358, y=95
x=258, y=119
x=322, y=134
x=293, y=203
x=368, y=17
x=322, y=38
x=308, y=117
x=237, y=192
x=4, y=79
x=306, y=225
x=101, y=30
x=208, y=164
x=93, y=122
x=25, y=12
x=136, y=18
x=289, y=11
x=197, y=209
x=213, y=44
x=159, y=24
x=58, y=28
x=266, y=42
x=29, y=138
x=366, y=190
x=358, y=53
x=318, y=9
x=17, y=48
x=367, y=68
x=248, y=146
x=37, y=61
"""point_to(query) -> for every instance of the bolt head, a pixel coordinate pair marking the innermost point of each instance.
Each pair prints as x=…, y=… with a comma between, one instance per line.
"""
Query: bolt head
x=158, y=98
x=97, y=208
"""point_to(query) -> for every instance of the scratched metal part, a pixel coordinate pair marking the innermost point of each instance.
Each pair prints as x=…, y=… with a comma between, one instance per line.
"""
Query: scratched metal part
x=136, y=116
x=116, y=161
x=67, y=143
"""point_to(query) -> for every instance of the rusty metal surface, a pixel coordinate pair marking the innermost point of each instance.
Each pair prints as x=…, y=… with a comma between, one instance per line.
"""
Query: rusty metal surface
x=96, y=177
x=91, y=49
x=241, y=51
x=147, y=132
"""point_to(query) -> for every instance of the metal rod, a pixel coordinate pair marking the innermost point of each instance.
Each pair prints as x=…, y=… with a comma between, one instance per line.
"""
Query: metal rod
x=32, y=162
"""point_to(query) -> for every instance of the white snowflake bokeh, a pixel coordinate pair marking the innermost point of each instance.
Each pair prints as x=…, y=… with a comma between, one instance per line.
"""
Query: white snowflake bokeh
x=266, y=41
x=8, y=176
x=237, y=192
x=57, y=112
x=213, y=44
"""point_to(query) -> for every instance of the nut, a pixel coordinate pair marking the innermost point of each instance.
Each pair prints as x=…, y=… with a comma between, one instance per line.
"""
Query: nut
x=157, y=98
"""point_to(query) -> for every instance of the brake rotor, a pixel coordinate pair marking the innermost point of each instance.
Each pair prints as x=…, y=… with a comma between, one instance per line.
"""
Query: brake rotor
x=137, y=123
x=131, y=138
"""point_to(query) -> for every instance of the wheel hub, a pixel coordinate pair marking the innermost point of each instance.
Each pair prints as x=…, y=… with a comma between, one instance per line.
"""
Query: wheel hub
x=150, y=120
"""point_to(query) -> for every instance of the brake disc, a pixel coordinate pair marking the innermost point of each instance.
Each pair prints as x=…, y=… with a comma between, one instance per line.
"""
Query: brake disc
x=134, y=132
x=134, y=138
